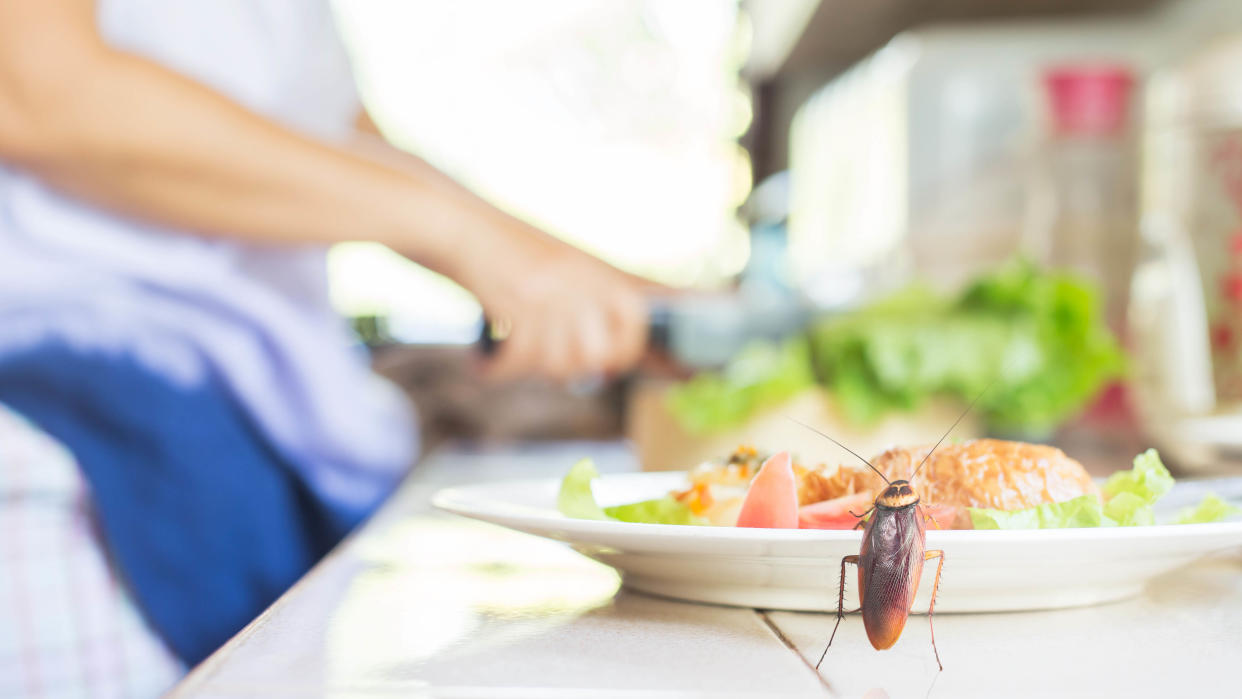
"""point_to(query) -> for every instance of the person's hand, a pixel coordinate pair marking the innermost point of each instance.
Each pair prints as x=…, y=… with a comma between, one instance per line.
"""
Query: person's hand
x=565, y=313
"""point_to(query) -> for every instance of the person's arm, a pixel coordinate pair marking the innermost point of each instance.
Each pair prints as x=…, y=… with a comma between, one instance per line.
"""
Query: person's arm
x=371, y=143
x=133, y=136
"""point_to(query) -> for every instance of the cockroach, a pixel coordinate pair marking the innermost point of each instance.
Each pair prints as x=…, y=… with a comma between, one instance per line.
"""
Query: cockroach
x=890, y=560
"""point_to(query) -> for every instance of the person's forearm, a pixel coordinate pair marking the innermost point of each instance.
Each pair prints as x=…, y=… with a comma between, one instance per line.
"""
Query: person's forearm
x=140, y=139
x=375, y=147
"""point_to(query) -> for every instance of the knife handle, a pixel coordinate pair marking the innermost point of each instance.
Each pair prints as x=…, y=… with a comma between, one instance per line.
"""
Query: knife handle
x=488, y=343
x=659, y=327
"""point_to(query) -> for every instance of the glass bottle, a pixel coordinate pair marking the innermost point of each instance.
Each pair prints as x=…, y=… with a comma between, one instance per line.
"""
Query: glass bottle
x=1083, y=208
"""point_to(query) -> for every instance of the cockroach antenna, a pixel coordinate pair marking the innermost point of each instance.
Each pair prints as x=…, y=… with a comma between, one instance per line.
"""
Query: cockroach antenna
x=830, y=439
x=953, y=426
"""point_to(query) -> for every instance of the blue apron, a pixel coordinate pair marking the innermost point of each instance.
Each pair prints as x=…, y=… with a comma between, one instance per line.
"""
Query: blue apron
x=205, y=521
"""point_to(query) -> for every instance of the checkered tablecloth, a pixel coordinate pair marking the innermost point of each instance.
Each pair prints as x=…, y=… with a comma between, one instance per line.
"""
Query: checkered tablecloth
x=68, y=628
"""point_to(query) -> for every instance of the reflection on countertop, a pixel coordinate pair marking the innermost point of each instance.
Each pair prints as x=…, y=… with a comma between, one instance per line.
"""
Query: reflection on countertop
x=419, y=603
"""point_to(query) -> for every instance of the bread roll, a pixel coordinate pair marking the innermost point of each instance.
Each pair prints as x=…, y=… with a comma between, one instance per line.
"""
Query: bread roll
x=989, y=473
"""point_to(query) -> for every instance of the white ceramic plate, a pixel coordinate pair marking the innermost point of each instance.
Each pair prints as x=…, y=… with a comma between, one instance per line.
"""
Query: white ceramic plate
x=799, y=569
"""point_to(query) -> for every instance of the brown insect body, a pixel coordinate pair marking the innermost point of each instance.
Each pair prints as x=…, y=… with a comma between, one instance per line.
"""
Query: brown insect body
x=890, y=560
x=890, y=564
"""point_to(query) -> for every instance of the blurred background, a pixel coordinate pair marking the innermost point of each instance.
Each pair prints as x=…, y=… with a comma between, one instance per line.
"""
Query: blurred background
x=876, y=208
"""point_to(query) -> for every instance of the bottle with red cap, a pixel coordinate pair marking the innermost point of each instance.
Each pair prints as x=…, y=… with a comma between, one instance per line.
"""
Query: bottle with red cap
x=1082, y=207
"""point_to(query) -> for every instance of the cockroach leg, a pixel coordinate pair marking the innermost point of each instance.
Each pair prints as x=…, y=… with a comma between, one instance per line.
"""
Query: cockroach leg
x=927, y=556
x=840, y=608
x=933, y=521
x=861, y=517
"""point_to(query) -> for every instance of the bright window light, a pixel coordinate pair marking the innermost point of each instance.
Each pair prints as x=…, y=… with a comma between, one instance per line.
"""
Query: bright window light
x=611, y=124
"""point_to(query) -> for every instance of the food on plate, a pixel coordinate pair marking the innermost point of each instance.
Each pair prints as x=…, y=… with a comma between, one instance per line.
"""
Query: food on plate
x=837, y=513
x=575, y=499
x=978, y=484
x=982, y=473
x=772, y=499
x=988, y=473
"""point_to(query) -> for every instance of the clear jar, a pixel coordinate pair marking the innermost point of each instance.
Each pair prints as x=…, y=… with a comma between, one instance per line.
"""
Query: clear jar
x=1082, y=203
x=1186, y=293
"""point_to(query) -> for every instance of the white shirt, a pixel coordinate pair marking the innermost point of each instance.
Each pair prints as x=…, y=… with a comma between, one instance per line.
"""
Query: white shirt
x=194, y=308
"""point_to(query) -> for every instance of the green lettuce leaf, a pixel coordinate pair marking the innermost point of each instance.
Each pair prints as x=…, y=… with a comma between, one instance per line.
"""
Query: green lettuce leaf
x=575, y=499
x=762, y=375
x=1129, y=495
x=1040, y=332
x=1129, y=510
x=1148, y=480
x=1082, y=511
x=665, y=510
x=1212, y=509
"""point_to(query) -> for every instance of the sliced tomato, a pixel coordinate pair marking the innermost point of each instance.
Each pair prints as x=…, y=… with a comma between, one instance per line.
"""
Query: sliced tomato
x=834, y=513
x=941, y=516
x=772, y=499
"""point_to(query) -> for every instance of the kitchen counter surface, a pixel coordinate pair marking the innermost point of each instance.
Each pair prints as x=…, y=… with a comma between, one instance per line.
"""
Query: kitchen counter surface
x=423, y=604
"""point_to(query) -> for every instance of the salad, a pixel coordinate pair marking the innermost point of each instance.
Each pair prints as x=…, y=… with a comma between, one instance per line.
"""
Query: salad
x=746, y=490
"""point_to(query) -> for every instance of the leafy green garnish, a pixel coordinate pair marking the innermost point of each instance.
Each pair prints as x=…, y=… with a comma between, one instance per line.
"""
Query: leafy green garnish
x=1130, y=494
x=665, y=510
x=575, y=499
x=1082, y=511
x=1128, y=510
x=1212, y=509
x=1039, y=333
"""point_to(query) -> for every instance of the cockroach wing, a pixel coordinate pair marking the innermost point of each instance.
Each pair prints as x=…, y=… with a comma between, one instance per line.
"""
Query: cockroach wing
x=890, y=564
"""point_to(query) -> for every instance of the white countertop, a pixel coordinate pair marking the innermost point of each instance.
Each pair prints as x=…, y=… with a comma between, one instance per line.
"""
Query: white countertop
x=422, y=604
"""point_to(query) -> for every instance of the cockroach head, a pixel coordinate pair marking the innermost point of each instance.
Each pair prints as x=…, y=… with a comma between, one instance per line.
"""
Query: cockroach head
x=898, y=495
